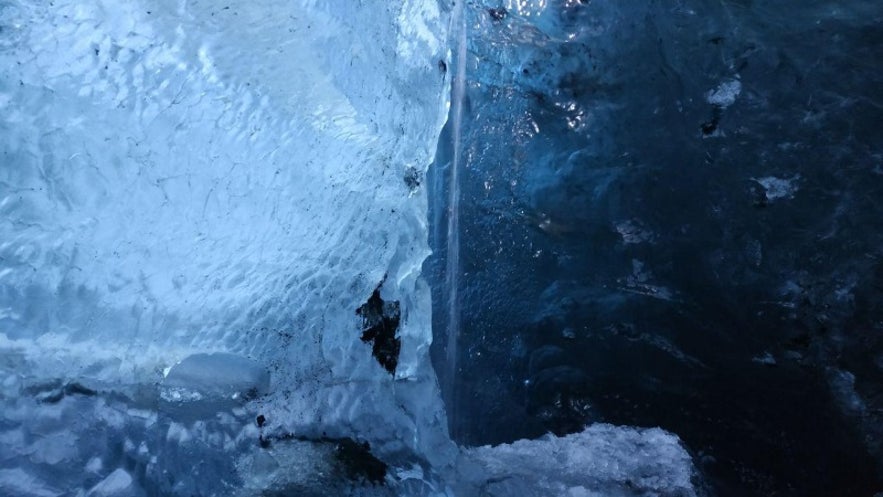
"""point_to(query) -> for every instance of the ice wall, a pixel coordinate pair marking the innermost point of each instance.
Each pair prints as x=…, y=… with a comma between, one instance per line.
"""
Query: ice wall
x=184, y=177
x=208, y=211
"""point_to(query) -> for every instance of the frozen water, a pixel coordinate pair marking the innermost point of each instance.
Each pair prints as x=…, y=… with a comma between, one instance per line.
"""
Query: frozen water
x=182, y=180
x=602, y=460
x=217, y=375
x=195, y=199
x=725, y=94
x=17, y=481
x=670, y=215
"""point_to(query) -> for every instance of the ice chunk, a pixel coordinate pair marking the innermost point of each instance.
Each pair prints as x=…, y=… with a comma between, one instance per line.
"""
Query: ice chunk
x=17, y=482
x=94, y=465
x=196, y=179
x=725, y=94
x=203, y=385
x=778, y=188
x=632, y=232
x=117, y=484
x=601, y=460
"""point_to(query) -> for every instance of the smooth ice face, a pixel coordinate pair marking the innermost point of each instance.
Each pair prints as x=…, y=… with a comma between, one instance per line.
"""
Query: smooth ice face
x=669, y=215
x=189, y=178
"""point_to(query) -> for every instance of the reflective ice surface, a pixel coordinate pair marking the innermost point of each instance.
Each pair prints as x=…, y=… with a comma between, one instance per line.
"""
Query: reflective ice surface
x=669, y=216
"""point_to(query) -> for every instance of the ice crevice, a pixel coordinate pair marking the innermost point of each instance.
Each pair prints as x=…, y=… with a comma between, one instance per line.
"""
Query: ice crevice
x=196, y=199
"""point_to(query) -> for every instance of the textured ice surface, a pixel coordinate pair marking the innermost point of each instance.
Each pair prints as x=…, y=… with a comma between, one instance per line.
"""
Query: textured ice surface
x=217, y=375
x=602, y=460
x=185, y=178
x=195, y=198
x=725, y=94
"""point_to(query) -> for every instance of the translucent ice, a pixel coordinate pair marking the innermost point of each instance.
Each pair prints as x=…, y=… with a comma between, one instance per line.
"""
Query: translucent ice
x=725, y=94
x=218, y=374
x=778, y=188
x=195, y=200
x=184, y=179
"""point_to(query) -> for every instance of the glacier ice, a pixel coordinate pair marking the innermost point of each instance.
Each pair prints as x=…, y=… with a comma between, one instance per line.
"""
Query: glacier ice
x=670, y=214
x=196, y=198
x=602, y=460
x=184, y=179
x=218, y=375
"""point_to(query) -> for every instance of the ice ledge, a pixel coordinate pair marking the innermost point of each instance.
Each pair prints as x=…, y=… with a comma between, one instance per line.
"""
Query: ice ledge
x=602, y=460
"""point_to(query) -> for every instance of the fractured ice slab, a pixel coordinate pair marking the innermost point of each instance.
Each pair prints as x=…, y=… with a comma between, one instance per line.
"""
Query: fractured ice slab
x=602, y=460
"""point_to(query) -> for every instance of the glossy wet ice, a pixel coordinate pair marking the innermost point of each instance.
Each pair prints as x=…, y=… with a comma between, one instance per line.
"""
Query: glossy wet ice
x=213, y=219
x=670, y=217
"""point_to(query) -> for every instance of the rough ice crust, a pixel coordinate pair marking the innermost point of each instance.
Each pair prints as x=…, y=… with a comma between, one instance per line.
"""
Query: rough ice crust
x=195, y=177
x=602, y=460
x=183, y=181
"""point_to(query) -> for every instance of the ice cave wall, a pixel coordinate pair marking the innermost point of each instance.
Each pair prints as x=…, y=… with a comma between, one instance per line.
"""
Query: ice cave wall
x=202, y=209
x=183, y=177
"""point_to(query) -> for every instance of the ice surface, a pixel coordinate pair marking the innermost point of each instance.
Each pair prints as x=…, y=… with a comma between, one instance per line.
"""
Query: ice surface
x=219, y=375
x=670, y=216
x=725, y=94
x=195, y=199
x=778, y=188
x=117, y=484
x=183, y=179
x=602, y=460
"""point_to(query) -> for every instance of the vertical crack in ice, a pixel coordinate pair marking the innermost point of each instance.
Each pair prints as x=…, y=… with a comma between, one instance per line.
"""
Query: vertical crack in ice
x=453, y=248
